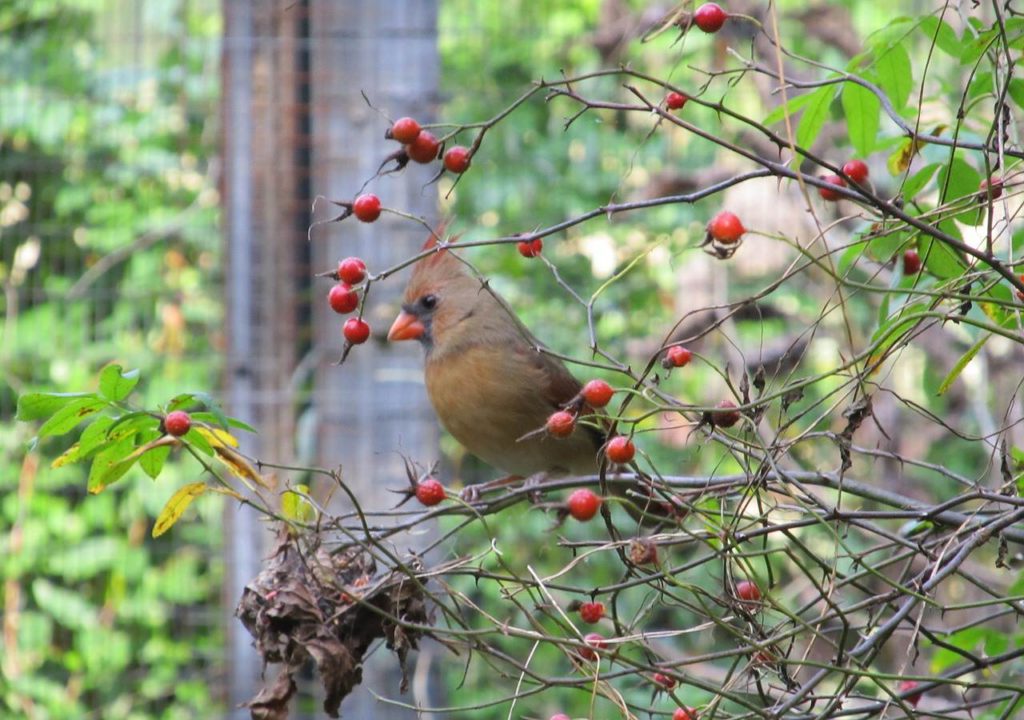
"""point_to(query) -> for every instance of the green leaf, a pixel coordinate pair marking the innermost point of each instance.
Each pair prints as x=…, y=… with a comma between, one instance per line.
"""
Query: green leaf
x=944, y=36
x=850, y=257
x=961, y=364
x=815, y=115
x=69, y=416
x=792, y=106
x=241, y=425
x=152, y=461
x=117, y=385
x=980, y=85
x=862, y=109
x=138, y=420
x=214, y=407
x=959, y=181
x=975, y=47
x=93, y=437
x=109, y=464
x=895, y=75
x=1016, y=91
x=197, y=440
x=916, y=182
x=884, y=247
x=182, y=400
x=940, y=259
x=36, y=406
x=214, y=419
x=894, y=329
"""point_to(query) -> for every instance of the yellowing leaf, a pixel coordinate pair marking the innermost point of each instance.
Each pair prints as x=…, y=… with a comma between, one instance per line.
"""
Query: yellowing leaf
x=295, y=506
x=217, y=437
x=900, y=160
x=229, y=492
x=177, y=505
x=70, y=455
x=239, y=466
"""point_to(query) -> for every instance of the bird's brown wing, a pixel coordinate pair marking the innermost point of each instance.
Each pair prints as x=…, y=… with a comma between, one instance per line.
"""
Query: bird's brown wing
x=561, y=388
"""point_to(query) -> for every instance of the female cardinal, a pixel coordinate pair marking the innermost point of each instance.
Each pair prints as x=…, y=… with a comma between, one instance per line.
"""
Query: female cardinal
x=489, y=382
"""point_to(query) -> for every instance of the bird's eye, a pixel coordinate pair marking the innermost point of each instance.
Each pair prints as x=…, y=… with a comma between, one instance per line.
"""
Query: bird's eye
x=429, y=302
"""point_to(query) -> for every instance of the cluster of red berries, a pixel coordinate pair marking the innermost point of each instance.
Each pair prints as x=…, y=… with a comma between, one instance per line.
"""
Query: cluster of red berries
x=596, y=394
x=422, y=146
x=344, y=298
x=856, y=170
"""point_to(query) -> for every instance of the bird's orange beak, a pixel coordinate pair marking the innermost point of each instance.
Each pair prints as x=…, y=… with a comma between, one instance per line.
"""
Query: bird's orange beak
x=406, y=327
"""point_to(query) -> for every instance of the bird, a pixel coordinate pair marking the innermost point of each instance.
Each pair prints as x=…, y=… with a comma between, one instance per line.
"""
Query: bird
x=489, y=380
x=493, y=386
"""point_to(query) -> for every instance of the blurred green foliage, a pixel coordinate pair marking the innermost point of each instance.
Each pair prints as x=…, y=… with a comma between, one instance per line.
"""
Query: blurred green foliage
x=109, y=249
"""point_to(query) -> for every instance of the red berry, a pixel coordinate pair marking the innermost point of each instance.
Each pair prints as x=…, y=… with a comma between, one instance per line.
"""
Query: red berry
x=620, y=449
x=748, y=591
x=457, y=159
x=594, y=640
x=1020, y=295
x=726, y=415
x=710, y=17
x=597, y=393
x=856, y=170
x=677, y=356
x=664, y=680
x=829, y=193
x=583, y=504
x=405, y=130
x=366, y=207
x=911, y=262
x=356, y=331
x=429, y=492
x=352, y=271
x=684, y=714
x=424, y=148
x=591, y=612
x=726, y=228
x=906, y=686
x=343, y=299
x=561, y=423
x=993, y=184
x=177, y=423
x=530, y=248
x=675, y=100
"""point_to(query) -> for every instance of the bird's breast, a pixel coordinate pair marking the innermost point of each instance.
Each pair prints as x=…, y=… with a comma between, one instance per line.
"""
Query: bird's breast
x=489, y=398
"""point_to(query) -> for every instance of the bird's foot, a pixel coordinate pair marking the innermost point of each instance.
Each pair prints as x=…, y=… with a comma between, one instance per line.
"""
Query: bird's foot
x=534, y=481
x=471, y=493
